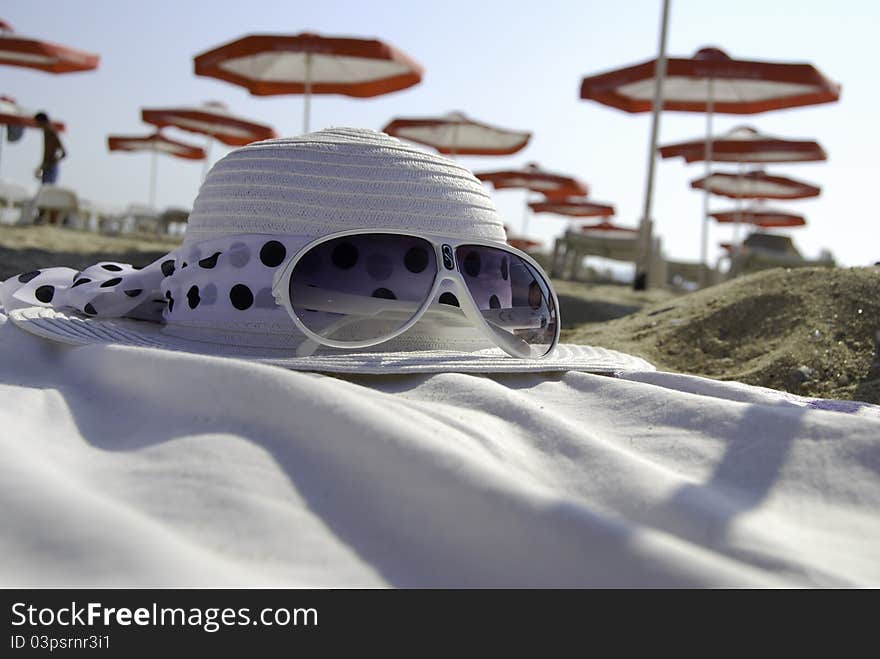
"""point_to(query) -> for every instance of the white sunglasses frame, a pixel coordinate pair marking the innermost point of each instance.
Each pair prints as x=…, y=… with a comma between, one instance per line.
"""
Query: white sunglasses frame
x=445, y=280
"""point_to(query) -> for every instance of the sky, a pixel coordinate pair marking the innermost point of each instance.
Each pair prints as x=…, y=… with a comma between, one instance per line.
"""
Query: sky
x=514, y=64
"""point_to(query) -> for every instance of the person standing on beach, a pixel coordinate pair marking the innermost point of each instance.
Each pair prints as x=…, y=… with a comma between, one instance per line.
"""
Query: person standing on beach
x=53, y=151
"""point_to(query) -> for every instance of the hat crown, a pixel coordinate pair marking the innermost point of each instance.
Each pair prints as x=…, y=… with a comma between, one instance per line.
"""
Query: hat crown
x=337, y=180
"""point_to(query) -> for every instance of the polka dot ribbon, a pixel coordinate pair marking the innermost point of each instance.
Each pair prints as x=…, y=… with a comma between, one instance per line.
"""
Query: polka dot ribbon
x=205, y=281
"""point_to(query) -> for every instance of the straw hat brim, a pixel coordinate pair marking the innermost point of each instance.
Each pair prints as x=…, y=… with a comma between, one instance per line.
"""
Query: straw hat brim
x=75, y=329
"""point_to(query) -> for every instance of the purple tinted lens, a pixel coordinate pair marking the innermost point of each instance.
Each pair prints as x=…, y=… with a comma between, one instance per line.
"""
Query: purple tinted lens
x=512, y=295
x=362, y=287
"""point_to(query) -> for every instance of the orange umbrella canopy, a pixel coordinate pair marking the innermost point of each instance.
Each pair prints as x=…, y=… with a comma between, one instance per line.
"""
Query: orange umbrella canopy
x=310, y=64
x=532, y=177
x=456, y=134
x=608, y=227
x=737, y=86
x=523, y=243
x=12, y=114
x=157, y=143
x=755, y=185
x=573, y=207
x=18, y=50
x=746, y=144
x=765, y=218
x=213, y=119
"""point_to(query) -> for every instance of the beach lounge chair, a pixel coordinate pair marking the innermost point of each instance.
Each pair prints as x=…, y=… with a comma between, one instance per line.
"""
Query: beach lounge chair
x=56, y=205
x=173, y=221
x=12, y=196
x=571, y=248
x=761, y=251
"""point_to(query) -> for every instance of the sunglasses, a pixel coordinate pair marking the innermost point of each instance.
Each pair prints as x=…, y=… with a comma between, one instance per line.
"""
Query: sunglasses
x=356, y=289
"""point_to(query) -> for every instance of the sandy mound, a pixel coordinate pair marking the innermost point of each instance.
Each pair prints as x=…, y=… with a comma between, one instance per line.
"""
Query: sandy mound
x=811, y=331
x=26, y=248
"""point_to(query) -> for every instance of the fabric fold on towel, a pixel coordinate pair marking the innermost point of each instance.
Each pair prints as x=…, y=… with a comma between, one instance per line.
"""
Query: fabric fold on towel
x=127, y=466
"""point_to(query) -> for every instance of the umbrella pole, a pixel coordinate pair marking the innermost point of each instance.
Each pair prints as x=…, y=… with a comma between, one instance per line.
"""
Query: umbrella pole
x=646, y=226
x=1, y=145
x=308, y=93
x=454, y=148
x=207, y=164
x=153, y=166
x=739, y=205
x=704, y=242
x=525, y=222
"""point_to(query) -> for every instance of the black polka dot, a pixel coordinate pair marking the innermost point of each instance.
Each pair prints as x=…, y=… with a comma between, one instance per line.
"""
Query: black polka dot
x=111, y=282
x=494, y=302
x=272, y=254
x=170, y=300
x=183, y=265
x=168, y=267
x=449, y=298
x=137, y=267
x=416, y=259
x=210, y=261
x=379, y=267
x=472, y=264
x=505, y=268
x=27, y=276
x=45, y=293
x=384, y=293
x=89, y=309
x=111, y=267
x=80, y=282
x=192, y=297
x=134, y=292
x=241, y=297
x=344, y=256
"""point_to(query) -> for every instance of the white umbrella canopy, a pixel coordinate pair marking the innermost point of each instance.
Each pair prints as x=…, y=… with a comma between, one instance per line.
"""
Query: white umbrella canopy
x=745, y=144
x=269, y=64
x=28, y=52
x=213, y=119
x=755, y=185
x=456, y=134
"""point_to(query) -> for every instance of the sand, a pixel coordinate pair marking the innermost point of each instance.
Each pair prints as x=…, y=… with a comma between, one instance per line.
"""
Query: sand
x=811, y=331
x=27, y=248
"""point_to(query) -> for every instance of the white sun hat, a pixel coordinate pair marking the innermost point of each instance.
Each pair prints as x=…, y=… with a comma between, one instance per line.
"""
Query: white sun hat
x=259, y=205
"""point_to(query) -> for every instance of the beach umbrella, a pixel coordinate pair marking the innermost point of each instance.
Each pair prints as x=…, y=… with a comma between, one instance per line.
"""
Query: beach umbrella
x=455, y=134
x=155, y=144
x=310, y=64
x=18, y=50
x=523, y=244
x=573, y=207
x=212, y=119
x=745, y=144
x=760, y=217
x=12, y=114
x=755, y=185
x=607, y=227
x=709, y=82
x=535, y=179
